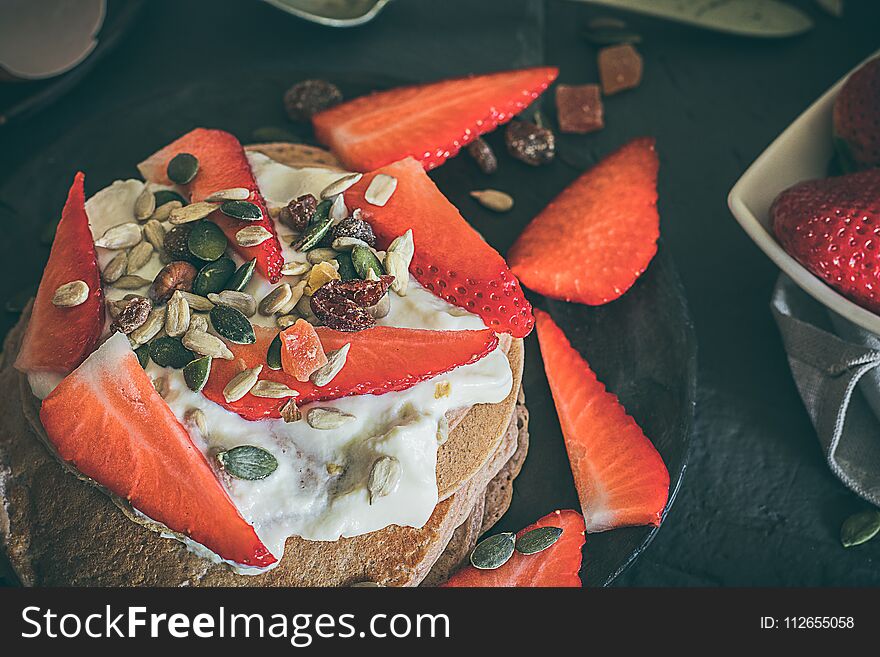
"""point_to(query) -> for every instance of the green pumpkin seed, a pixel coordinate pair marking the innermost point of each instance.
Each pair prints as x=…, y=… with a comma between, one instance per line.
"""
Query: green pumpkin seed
x=213, y=277
x=143, y=355
x=248, y=462
x=164, y=196
x=206, y=241
x=170, y=352
x=493, y=552
x=196, y=373
x=322, y=211
x=182, y=168
x=537, y=539
x=243, y=210
x=363, y=259
x=346, y=268
x=242, y=276
x=232, y=325
x=860, y=528
x=316, y=231
x=273, y=355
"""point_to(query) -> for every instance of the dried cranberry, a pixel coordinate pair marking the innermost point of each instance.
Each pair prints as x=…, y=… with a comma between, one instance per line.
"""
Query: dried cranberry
x=483, y=156
x=530, y=143
x=133, y=314
x=355, y=227
x=342, y=305
x=309, y=97
x=298, y=212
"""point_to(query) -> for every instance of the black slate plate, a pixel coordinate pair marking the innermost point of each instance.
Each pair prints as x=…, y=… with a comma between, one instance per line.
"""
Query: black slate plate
x=641, y=346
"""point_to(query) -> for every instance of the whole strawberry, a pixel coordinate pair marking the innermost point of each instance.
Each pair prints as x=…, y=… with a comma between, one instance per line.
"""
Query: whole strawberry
x=857, y=118
x=832, y=227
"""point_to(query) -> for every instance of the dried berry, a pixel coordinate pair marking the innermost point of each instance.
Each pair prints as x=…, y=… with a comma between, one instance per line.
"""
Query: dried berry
x=620, y=68
x=483, y=155
x=342, y=305
x=298, y=212
x=176, y=242
x=177, y=275
x=355, y=227
x=530, y=143
x=579, y=108
x=309, y=97
x=133, y=314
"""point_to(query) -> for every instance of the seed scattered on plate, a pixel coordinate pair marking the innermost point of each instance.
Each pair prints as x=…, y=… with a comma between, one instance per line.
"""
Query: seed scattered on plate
x=272, y=390
x=182, y=168
x=71, y=294
x=114, y=269
x=335, y=362
x=493, y=200
x=177, y=315
x=231, y=194
x=493, y=552
x=138, y=256
x=150, y=328
x=144, y=205
x=320, y=255
x=241, y=383
x=860, y=528
x=196, y=373
x=483, y=155
x=273, y=354
x=252, y=236
x=205, y=344
x=290, y=412
x=168, y=351
x=384, y=477
x=196, y=302
x=191, y=212
x=295, y=268
x=154, y=233
x=381, y=188
x=163, y=212
x=339, y=185
x=242, y=210
x=242, y=276
x=248, y=462
x=275, y=300
x=232, y=325
x=442, y=430
x=538, y=539
x=241, y=301
x=122, y=236
x=327, y=417
x=131, y=282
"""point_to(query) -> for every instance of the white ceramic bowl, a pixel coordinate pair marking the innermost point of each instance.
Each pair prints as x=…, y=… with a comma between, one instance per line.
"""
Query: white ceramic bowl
x=802, y=152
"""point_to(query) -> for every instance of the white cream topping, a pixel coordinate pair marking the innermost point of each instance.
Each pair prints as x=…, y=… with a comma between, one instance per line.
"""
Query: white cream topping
x=302, y=497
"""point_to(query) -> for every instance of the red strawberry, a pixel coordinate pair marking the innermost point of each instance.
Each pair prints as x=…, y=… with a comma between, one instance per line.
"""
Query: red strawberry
x=832, y=228
x=222, y=164
x=381, y=359
x=597, y=237
x=857, y=118
x=451, y=259
x=59, y=339
x=430, y=122
x=620, y=478
x=107, y=420
x=558, y=565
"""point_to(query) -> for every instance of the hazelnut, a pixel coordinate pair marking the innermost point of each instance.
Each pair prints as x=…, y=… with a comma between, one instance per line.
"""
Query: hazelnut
x=177, y=275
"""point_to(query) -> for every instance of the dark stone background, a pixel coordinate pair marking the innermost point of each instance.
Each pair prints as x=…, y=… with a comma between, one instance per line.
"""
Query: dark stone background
x=758, y=505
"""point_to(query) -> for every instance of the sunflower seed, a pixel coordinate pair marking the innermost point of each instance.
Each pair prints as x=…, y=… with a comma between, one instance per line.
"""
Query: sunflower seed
x=340, y=185
x=163, y=212
x=131, y=282
x=154, y=233
x=442, y=389
x=71, y=294
x=182, y=168
x=241, y=384
x=248, y=462
x=272, y=390
x=404, y=246
x=197, y=322
x=196, y=418
x=242, y=210
x=338, y=211
x=381, y=309
x=252, y=236
x=295, y=268
x=120, y=237
x=115, y=268
x=177, y=315
x=285, y=321
x=493, y=199
x=241, y=301
x=327, y=418
x=196, y=302
x=396, y=266
x=335, y=362
x=191, y=212
x=494, y=551
x=290, y=412
x=442, y=430
x=538, y=539
x=384, y=477
x=144, y=205
x=160, y=383
x=320, y=255
x=149, y=329
x=860, y=528
x=296, y=293
x=380, y=190
x=231, y=194
x=138, y=256
x=205, y=344
x=275, y=300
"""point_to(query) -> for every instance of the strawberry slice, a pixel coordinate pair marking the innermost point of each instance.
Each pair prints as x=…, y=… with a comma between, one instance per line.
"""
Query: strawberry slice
x=451, y=259
x=143, y=454
x=223, y=164
x=59, y=339
x=430, y=122
x=381, y=359
x=556, y=566
x=856, y=118
x=620, y=478
x=594, y=240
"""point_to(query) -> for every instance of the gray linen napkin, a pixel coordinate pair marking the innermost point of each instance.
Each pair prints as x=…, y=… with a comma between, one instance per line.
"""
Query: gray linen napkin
x=835, y=366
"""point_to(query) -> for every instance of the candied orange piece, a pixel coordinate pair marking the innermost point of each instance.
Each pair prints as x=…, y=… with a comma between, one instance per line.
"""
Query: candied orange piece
x=301, y=350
